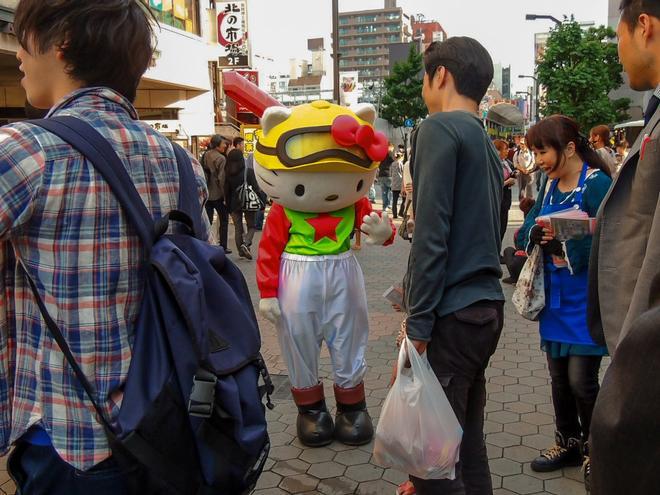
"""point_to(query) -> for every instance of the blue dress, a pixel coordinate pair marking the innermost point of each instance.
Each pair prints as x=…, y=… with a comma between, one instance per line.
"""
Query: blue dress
x=563, y=321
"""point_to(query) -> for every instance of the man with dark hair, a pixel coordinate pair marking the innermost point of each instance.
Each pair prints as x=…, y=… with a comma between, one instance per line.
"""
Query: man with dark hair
x=214, y=163
x=624, y=284
x=453, y=292
x=599, y=137
x=61, y=226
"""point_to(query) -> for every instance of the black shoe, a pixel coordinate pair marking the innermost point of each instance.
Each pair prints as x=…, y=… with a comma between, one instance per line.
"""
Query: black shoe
x=509, y=280
x=353, y=425
x=244, y=252
x=314, y=425
x=228, y=251
x=564, y=453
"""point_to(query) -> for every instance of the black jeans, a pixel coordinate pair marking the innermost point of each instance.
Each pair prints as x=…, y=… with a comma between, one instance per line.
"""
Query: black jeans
x=240, y=236
x=574, y=391
x=39, y=470
x=223, y=219
x=395, y=201
x=460, y=348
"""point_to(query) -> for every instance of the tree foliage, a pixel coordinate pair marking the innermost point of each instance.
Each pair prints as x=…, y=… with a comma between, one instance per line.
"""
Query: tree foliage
x=403, y=91
x=578, y=70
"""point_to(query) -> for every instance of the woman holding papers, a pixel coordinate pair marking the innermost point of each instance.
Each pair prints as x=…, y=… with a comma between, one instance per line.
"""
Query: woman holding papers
x=577, y=181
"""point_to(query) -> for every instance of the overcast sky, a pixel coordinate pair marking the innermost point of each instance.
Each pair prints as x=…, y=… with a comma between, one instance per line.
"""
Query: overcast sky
x=279, y=29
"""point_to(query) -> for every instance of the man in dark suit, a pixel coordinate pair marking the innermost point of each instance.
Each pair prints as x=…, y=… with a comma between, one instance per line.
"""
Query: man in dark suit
x=624, y=285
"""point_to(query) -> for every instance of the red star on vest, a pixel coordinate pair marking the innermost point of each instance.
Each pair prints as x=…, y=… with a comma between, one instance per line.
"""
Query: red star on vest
x=324, y=225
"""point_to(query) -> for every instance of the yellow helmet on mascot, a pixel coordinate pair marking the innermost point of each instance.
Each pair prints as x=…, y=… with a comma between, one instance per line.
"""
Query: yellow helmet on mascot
x=320, y=136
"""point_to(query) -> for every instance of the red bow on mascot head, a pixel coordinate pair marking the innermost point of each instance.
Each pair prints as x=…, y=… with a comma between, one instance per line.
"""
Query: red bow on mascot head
x=347, y=131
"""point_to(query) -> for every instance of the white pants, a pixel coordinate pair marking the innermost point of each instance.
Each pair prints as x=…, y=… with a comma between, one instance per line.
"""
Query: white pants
x=323, y=298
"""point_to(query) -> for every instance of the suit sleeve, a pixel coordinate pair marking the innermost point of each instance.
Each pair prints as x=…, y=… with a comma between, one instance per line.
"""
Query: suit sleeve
x=436, y=156
x=273, y=241
x=362, y=209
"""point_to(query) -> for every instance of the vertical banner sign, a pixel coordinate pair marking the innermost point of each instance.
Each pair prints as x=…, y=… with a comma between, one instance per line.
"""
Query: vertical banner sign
x=348, y=88
x=180, y=9
x=156, y=4
x=233, y=35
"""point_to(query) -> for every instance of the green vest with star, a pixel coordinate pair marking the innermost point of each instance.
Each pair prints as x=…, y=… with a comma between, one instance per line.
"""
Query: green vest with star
x=317, y=234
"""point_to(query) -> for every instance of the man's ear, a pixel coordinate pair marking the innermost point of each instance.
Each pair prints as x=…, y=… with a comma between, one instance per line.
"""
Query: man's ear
x=649, y=26
x=440, y=77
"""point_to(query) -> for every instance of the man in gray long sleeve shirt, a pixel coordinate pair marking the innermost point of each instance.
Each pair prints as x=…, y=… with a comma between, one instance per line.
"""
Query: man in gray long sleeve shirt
x=453, y=293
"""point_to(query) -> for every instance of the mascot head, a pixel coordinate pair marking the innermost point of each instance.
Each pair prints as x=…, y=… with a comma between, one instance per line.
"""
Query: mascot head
x=319, y=156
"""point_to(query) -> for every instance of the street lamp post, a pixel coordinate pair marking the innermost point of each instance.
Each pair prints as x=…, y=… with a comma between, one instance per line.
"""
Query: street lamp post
x=335, y=51
x=534, y=17
x=537, y=101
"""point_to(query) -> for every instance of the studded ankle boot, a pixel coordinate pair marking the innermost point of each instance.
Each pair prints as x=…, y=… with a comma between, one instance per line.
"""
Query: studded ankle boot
x=565, y=452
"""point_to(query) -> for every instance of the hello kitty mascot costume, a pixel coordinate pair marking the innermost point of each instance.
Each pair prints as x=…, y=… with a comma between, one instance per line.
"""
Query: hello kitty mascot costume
x=317, y=162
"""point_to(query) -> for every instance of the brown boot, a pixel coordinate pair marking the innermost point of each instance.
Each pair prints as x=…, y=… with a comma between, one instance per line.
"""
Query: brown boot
x=314, y=424
x=353, y=424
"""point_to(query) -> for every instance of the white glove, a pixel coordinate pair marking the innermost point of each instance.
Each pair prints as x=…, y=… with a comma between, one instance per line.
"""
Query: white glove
x=270, y=309
x=378, y=229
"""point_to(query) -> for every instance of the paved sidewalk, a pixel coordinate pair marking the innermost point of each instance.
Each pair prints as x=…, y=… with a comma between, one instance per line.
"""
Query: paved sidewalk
x=519, y=411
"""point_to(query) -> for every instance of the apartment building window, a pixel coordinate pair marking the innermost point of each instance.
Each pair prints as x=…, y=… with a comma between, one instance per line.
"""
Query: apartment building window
x=181, y=14
x=343, y=42
x=344, y=20
x=367, y=18
x=392, y=16
x=366, y=29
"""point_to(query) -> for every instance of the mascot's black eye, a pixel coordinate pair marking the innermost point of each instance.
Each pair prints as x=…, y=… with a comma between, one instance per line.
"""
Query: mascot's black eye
x=300, y=190
x=360, y=184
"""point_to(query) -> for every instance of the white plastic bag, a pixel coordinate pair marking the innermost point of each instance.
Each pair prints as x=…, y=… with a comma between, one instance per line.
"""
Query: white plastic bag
x=418, y=432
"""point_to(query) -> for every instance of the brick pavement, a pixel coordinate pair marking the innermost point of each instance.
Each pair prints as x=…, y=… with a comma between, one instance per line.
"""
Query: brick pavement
x=519, y=416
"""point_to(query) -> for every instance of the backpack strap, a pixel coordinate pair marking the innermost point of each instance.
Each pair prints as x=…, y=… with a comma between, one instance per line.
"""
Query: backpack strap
x=99, y=152
x=66, y=350
x=188, y=198
x=96, y=148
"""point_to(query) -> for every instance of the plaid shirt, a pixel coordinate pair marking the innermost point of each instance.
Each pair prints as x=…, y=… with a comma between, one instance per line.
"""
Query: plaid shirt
x=59, y=217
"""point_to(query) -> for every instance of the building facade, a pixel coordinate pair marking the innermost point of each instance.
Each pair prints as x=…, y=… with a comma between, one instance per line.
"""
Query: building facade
x=426, y=32
x=178, y=94
x=364, y=37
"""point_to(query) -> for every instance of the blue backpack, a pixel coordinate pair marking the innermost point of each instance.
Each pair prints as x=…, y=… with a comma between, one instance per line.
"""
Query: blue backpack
x=192, y=420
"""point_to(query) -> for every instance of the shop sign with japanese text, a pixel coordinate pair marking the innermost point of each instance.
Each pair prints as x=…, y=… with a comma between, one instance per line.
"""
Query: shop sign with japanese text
x=233, y=34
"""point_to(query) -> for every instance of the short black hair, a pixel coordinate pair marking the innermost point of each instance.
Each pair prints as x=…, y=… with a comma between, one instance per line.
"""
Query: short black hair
x=467, y=60
x=108, y=43
x=632, y=9
x=238, y=140
x=216, y=140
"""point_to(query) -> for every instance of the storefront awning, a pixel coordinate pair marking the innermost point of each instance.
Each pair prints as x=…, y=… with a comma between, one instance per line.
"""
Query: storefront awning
x=506, y=115
x=247, y=94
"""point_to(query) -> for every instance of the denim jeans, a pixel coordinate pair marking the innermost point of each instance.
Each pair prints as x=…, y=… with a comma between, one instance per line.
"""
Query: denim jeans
x=574, y=391
x=385, y=190
x=39, y=470
x=460, y=348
